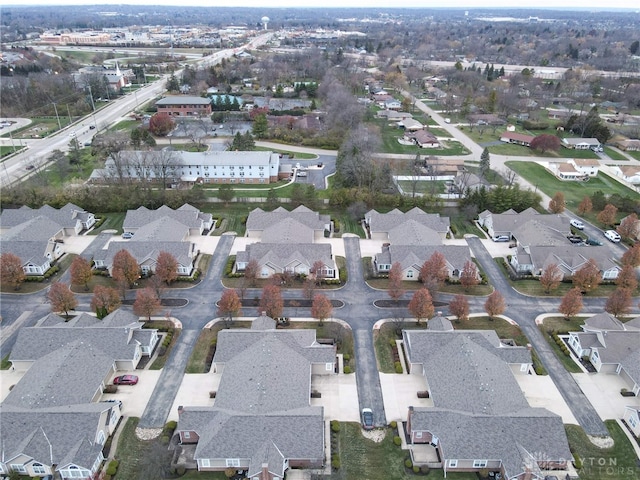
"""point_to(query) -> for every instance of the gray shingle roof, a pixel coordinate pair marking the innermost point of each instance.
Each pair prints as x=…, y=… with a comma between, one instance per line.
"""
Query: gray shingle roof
x=512, y=438
x=187, y=215
x=65, y=217
x=412, y=232
x=281, y=255
x=468, y=371
x=540, y=233
x=298, y=434
x=260, y=220
x=35, y=342
x=143, y=251
x=385, y=222
x=416, y=255
x=262, y=407
x=62, y=378
x=571, y=258
x=289, y=231
x=603, y=321
x=45, y=434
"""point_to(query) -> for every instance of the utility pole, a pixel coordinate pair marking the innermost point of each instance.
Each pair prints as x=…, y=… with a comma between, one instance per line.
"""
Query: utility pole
x=93, y=105
x=56, y=109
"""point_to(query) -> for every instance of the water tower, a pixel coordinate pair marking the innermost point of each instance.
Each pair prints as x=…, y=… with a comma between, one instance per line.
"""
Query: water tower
x=265, y=22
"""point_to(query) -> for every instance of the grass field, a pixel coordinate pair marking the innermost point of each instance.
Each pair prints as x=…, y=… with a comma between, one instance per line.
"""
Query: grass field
x=614, y=154
x=8, y=150
x=434, y=187
x=616, y=463
x=390, y=135
x=361, y=458
x=40, y=127
x=113, y=221
x=574, y=192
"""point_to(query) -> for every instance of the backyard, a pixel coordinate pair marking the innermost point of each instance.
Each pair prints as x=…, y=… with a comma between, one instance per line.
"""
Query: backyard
x=574, y=192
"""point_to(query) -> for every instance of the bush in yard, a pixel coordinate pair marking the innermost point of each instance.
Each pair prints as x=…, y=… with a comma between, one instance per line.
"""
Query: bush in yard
x=397, y=441
x=347, y=369
x=393, y=424
x=165, y=439
x=346, y=357
x=230, y=472
x=408, y=463
x=111, y=470
x=181, y=470
x=398, y=367
x=424, y=469
x=335, y=462
x=170, y=427
x=114, y=463
x=416, y=469
x=577, y=462
x=392, y=342
x=335, y=426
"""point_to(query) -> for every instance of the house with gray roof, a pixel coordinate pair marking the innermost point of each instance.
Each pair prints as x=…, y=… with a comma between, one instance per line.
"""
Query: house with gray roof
x=582, y=143
x=295, y=258
x=412, y=257
x=262, y=421
x=379, y=225
x=184, y=105
x=71, y=218
x=613, y=347
x=480, y=418
x=36, y=236
x=50, y=424
x=193, y=221
x=260, y=221
x=146, y=254
x=534, y=259
x=542, y=229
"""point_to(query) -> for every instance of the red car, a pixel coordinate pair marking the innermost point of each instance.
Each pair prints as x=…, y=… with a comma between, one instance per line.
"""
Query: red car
x=125, y=380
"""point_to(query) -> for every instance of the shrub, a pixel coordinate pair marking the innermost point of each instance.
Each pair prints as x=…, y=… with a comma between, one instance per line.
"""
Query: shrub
x=392, y=342
x=577, y=462
x=346, y=357
x=335, y=426
x=347, y=369
x=408, y=463
x=531, y=125
x=335, y=462
x=416, y=469
x=424, y=469
x=398, y=367
x=230, y=472
x=393, y=424
x=111, y=470
x=397, y=441
x=114, y=463
x=164, y=439
x=181, y=470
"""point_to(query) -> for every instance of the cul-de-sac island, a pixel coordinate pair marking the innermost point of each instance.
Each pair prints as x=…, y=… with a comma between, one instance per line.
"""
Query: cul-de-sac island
x=326, y=244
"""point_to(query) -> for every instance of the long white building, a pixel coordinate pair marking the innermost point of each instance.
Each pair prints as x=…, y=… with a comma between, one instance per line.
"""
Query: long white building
x=189, y=167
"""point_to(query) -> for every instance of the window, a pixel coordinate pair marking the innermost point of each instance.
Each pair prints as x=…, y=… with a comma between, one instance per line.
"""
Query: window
x=328, y=367
x=479, y=463
x=524, y=367
x=187, y=434
x=18, y=468
x=38, y=469
x=410, y=274
x=633, y=422
x=453, y=463
x=418, y=434
x=205, y=462
x=233, y=462
x=100, y=440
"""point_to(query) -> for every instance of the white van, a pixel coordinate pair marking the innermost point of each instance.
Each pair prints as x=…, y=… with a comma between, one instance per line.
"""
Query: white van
x=612, y=235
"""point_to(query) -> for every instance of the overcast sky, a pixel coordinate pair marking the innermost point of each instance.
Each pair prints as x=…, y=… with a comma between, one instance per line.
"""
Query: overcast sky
x=569, y=4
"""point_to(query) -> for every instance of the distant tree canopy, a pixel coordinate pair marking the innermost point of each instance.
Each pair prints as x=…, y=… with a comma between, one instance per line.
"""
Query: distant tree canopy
x=501, y=198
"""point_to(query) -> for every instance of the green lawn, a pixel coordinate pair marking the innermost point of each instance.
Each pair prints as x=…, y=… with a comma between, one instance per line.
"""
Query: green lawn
x=389, y=136
x=614, y=154
x=434, y=187
x=616, y=463
x=113, y=221
x=361, y=458
x=574, y=192
x=8, y=150
x=292, y=155
x=635, y=155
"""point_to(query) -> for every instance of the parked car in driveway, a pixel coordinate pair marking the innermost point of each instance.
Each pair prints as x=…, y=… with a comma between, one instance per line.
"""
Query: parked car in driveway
x=594, y=242
x=367, y=419
x=575, y=238
x=501, y=238
x=612, y=236
x=125, y=380
x=577, y=224
x=127, y=235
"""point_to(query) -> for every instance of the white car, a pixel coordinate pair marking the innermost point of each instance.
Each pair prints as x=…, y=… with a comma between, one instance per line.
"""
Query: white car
x=501, y=238
x=577, y=224
x=612, y=236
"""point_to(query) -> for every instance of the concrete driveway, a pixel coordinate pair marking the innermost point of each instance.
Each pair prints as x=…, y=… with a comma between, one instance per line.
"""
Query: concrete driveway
x=603, y=391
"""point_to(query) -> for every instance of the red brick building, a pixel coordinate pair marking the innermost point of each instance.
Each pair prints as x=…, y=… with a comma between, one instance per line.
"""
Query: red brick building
x=184, y=106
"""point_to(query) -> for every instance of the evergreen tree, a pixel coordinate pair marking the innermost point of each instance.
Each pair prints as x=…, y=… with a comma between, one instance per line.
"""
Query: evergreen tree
x=484, y=163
